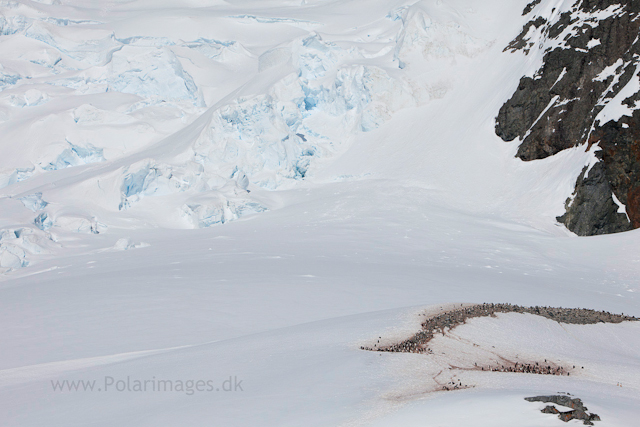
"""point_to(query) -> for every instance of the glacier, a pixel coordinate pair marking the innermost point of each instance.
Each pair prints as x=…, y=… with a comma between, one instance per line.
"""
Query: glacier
x=74, y=156
x=18, y=175
x=271, y=139
x=34, y=202
x=43, y=221
x=199, y=190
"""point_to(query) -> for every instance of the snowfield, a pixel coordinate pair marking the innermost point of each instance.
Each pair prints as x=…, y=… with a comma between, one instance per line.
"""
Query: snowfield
x=231, y=197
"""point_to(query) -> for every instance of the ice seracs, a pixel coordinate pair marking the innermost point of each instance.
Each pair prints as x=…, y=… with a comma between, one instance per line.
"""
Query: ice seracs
x=34, y=202
x=75, y=155
x=269, y=139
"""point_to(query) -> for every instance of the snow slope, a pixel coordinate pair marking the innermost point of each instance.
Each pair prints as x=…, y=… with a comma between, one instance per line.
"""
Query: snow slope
x=348, y=148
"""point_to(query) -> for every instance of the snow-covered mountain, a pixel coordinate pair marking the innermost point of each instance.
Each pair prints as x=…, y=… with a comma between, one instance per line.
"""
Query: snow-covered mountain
x=213, y=190
x=585, y=92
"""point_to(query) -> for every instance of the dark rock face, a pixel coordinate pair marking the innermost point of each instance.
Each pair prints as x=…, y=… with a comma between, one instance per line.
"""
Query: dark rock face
x=530, y=6
x=592, y=210
x=620, y=143
x=592, y=53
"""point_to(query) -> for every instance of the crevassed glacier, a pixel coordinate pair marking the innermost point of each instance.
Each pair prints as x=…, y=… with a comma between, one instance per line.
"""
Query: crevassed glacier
x=151, y=73
x=266, y=140
x=43, y=221
x=17, y=175
x=76, y=155
x=270, y=139
x=34, y=202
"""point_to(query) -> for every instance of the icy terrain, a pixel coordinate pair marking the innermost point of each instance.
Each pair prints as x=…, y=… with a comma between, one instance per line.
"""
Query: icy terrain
x=199, y=190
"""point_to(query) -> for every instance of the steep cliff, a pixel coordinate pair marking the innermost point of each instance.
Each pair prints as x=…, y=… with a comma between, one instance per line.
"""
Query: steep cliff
x=585, y=92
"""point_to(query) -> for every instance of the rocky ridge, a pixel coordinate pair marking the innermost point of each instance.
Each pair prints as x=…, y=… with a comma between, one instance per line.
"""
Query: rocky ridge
x=450, y=319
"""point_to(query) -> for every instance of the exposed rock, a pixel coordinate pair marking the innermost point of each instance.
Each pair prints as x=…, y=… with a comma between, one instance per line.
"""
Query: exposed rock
x=527, y=10
x=592, y=210
x=578, y=412
x=591, y=54
x=521, y=42
x=620, y=144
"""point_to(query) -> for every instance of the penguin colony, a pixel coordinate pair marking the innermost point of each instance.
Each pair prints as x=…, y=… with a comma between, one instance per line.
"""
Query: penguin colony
x=451, y=319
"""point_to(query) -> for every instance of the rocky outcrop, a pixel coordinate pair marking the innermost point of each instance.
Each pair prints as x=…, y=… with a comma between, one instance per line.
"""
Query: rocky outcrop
x=620, y=153
x=590, y=59
x=578, y=410
x=592, y=210
x=530, y=6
